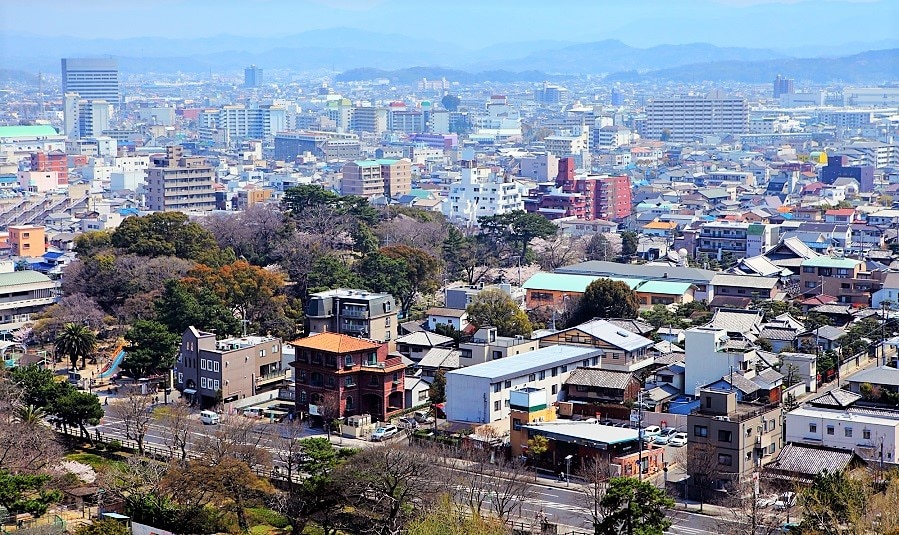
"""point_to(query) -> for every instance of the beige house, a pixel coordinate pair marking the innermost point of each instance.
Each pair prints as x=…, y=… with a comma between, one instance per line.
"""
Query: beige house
x=354, y=313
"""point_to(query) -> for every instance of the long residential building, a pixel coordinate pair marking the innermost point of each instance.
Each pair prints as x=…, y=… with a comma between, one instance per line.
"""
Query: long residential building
x=480, y=393
x=176, y=182
x=686, y=118
x=377, y=178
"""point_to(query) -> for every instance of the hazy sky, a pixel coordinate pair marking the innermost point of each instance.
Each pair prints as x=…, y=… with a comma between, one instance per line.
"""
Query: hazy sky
x=472, y=23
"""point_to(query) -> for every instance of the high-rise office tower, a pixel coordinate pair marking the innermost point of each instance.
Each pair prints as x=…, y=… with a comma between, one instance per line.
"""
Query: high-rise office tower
x=91, y=78
x=782, y=86
x=252, y=76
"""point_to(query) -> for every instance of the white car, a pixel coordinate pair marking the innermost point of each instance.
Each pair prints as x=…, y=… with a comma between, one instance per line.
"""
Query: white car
x=650, y=432
x=383, y=433
x=785, y=501
x=664, y=437
x=678, y=440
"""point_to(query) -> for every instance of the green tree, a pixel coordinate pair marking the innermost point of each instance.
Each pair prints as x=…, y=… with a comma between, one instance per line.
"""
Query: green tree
x=599, y=248
x=91, y=243
x=103, y=527
x=364, y=240
x=151, y=349
x=303, y=196
x=517, y=229
x=78, y=409
x=635, y=508
x=421, y=273
x=450, y=102
x=437, y=391
x=452, y=245
x=166, y=234
x=831, y=502
x=182, y=305
x=328, y=272
x=629, y=242
x=76, y=341
x=496, y=308
x=25, y=493
x=380, y=273
x=319, y=456
x=605, y=298
x=37, y=385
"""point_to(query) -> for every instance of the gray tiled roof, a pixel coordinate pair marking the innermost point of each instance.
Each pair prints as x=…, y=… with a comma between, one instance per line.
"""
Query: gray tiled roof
x=883, y=375
x=649, y=272
x=835, y=398
x=779, y=333
x=768, y=376
x=741, y=383
x=424, y=338
x=746, y=281
x=737, y=321
x=599, y=378
x=612, y=334
x=635, y=326
x=440, y=357
x=811, y=460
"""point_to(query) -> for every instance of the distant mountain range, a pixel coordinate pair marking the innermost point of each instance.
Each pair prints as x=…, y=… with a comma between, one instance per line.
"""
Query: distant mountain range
x=360, y=54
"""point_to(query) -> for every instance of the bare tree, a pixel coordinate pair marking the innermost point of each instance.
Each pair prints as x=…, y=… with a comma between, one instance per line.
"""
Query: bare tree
x=748, y=514
x=700, y=462
x=558, y=251
x=237, y=438
x=328, y=406
x=511, y=488
x=596, y=472
x=394, y=484
x=136, y=413
x=175, y=420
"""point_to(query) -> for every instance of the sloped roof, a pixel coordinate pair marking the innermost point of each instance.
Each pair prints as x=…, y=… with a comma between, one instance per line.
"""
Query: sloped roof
x=883, y=375
x=335, y=343
x=737, y=321
x=441, y=357
x=809, y=461
x=784, y=334
x=612, y=334
x=597, y=377
x=424, y=338
x=837, y=398
x=827, y=332
x=747, y=386
x=768, y=376
x=745, y=281
x=636, y=326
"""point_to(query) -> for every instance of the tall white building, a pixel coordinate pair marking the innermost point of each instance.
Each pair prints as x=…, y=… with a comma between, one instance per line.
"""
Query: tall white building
x=685, y=118
x=83, y=118
x=480, y=192
x=91, y=78
x=238, y=122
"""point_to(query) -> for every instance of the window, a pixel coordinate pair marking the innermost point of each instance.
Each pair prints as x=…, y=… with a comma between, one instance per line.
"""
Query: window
x=497, y=387
x=373, y=380
x=830, y=430
x=585, y=363
x=506, y=403
x=866, y=434
x=202, y=382
x=180, y=378
x=542, y=375
x=302, y=397
x=700, y=431
x=810, y=284
x=423, y=395
x=497, y=355
x=215, y=384
x=516, y=424
x=555, y=371
x=808, y=269
x=564, y=368
x=725, y=459
x=772, y=448
x=508, y=384
x=203, y=364
x=301, y=376
x=708, y=402
x=348, y=361
x=848, y=432
x=724, y=436
x=813, y=428
x=349, y=381
x=331, y=381
x=532, y=377
x=349, y=402
x=497, y=405
x=555, y=389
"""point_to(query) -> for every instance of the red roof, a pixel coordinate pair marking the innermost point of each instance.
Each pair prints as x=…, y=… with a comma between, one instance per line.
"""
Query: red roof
x=819, y=300
x=335, y=343
x=841, y=211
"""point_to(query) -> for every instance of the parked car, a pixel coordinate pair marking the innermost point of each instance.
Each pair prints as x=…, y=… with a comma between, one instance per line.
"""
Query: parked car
x=664, y=437
x=423, y=417
x=785, y=501
x=383, y=433
x=607, y=422
x=648, y=433
x=407, y=421
x=678, y=440
x=765, y=501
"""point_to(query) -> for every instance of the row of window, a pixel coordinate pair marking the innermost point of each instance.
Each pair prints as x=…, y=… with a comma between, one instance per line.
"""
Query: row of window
x=847, y=431
x=209, y=365
x=211, y=384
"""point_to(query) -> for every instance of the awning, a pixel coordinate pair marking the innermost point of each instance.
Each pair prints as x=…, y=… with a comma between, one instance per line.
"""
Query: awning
x=189, y=391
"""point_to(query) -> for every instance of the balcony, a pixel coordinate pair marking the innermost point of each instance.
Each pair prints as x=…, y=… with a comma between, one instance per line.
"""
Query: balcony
x=354, y=328
x=271, y=377
x=354, y=313
x=379, y=365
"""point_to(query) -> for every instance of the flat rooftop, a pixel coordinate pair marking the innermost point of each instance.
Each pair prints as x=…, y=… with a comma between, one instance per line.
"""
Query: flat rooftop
x=593, y=433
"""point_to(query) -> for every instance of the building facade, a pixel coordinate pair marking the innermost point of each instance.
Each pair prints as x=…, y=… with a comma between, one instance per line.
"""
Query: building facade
x=180, y=183
x=685, y=118
x=91, y=78
x=210, y=371
x=375, y=178
x=354, y=312
x=339, y=375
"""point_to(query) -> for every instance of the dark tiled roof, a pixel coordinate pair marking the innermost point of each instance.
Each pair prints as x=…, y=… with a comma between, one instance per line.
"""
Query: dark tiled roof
x=599, y=378
x=837, y=398
x=805, y=460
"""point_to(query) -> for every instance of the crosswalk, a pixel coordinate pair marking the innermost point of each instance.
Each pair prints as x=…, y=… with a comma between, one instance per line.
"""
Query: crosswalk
x=686, y=530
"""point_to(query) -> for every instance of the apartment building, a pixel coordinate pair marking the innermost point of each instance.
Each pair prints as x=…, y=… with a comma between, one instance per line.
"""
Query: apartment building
x=377, y=178
x=209, y=371
x=717, y=238
x=339, y=375
x=742, y=437
x=685, y=118
x=480, y=393
x=236, y=122
x=833, y=420
x=176, y=182
x=622, y=350
x=322, y=145
x=355, y=313
x=485, y=345
x=27, y=240
x=480, y=192
x=843, y=278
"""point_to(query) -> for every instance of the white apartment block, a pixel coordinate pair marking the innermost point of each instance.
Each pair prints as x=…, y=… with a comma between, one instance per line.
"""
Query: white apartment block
x=480, y=393
x=688, y=117
x=480, y=192
x=237, y=122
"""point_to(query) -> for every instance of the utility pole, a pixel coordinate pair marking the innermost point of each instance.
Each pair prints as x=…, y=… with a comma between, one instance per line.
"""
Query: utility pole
x=640, y=434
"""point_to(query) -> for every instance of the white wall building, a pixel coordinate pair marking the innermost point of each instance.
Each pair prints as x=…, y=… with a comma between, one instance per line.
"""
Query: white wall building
x=853, y=429
x=480, y=192
x=708, y=358
x=480, y=393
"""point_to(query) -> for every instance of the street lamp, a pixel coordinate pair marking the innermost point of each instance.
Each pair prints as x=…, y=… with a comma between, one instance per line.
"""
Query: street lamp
x=568, y=470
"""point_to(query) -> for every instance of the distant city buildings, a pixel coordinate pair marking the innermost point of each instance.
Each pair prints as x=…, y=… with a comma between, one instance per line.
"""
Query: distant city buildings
x=92, y=78
x=252, y=76
x=687, y=118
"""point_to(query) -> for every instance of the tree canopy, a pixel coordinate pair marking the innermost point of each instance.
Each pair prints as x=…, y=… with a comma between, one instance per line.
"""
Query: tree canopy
x=496, y=308
x=635, y=508
x=166, y=234
x=76, y=340
x=605, y=298
x=517, y=229
x=152, y=348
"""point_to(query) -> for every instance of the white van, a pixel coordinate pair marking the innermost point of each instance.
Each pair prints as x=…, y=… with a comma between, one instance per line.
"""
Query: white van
x=209, y=417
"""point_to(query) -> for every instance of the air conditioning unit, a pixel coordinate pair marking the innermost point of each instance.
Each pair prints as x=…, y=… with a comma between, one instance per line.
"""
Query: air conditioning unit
x=722, y=418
